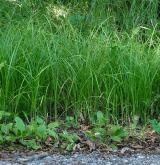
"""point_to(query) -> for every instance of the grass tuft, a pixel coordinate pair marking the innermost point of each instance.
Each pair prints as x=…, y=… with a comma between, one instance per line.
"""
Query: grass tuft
x=102, y=60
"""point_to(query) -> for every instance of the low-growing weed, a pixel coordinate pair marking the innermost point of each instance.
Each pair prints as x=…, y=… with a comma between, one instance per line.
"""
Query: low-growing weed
x=68, y=140
x=31, y=135
x=99, y=119
x=155, y=125
x=38, y=133
x=103, y=132
x=117, y=134
x=71, y=122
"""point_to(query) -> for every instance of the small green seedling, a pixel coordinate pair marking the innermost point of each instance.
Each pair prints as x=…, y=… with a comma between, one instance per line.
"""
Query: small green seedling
x=155, y=125
x=117, y=133
x=99, y=119
x=71, y=122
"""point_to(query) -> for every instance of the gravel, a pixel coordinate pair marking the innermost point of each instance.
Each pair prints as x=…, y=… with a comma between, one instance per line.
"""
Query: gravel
x=93, y=158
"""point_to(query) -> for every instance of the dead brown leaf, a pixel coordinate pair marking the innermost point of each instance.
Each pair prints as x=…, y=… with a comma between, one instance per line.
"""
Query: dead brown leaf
x=84, y=127
x=90, y=144
x=136, y=146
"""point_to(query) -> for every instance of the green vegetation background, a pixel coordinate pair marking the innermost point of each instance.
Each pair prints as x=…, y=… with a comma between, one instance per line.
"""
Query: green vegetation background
x=97, y=55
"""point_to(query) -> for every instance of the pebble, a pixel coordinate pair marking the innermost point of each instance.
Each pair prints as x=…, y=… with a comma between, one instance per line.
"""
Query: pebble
x=93, y=158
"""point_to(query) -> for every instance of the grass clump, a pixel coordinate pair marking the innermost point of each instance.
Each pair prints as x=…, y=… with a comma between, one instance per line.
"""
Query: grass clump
x=88, y=61
x=67, y=73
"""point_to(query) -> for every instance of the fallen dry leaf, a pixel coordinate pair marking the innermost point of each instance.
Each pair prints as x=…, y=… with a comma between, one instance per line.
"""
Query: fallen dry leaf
x=125, y=149
x=137, y=146
x=84, y=127
x=84, y=140
x=90, y=144
x=77, y=147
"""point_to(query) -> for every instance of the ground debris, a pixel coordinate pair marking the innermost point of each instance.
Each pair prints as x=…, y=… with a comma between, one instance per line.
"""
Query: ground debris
x=91, y=158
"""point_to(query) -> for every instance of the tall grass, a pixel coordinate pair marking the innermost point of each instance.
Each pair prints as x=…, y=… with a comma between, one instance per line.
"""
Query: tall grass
x=51, y=68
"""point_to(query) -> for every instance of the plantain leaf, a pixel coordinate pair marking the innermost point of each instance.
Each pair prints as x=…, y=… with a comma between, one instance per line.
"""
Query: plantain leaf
x=20, y=126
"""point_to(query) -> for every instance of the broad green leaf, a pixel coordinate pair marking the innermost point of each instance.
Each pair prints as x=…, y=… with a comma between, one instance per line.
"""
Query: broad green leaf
x=70, y=147
x=1, y=139
x=30, y=144
x=40, y=120
x=118, y=131
x=70, y=122
x=101, y=121
x=116, y=138
x=100, y=132
x=10, y=138
x=100, y=115
x=32, y=126
x=4, y=114
x=53, y=125
x=19, y=124
x=41, y=131
x=4, y=129
x=69, y=137
x=53, y=134
x=155, y=125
